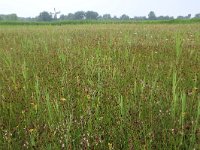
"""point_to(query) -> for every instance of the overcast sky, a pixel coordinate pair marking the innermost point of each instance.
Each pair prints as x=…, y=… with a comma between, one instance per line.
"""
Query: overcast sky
x=31, y=8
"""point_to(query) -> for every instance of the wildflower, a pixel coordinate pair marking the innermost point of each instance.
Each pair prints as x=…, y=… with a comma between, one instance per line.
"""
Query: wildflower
x=195, y=89
x=34, y=106
x=63, y=99
x=184, y=114
x=23, y=111
x=78, y=80
x=31, y=130
x=110, y=146
x=88, y=97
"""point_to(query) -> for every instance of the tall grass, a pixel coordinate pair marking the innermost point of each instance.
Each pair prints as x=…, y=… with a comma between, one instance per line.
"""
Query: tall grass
x=83, y=22
x=112, y=86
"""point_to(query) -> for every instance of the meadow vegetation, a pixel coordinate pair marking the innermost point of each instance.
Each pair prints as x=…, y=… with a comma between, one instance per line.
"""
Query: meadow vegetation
x=107, y=21
x=111, y=86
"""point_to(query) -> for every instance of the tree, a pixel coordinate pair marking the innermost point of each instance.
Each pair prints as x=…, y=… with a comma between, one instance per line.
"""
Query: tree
x=91, y=15
x=140, y=18
x=124, y=17
x=189, y=16
x=184, y=17
x=165, y=18
x=11, y=17
x=197, y=16
x=63, y=17
x=115, y=18
x=152, y=15
x=70, y=16
x=44, y=16
x=106, y=16
x=26, y=19
x=99, y=17
x=79, y=15
x=180, y=17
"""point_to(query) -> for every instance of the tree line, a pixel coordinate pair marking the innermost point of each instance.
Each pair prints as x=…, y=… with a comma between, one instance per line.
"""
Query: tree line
x=91, y=15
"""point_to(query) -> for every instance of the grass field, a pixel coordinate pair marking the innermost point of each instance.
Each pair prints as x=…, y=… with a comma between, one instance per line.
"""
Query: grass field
x=84, y=22
x=112, y=86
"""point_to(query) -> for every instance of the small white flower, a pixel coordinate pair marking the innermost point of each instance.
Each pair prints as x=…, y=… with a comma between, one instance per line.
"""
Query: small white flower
x=63, y=145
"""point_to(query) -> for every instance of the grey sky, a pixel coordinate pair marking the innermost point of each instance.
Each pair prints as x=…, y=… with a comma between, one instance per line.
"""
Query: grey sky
x=31, y=8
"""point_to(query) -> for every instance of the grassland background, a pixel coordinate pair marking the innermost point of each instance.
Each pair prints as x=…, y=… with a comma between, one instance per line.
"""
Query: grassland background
x=78, y=22
x=112, y=86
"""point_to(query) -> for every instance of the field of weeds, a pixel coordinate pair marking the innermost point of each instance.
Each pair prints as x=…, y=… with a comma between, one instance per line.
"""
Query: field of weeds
x=100, y=87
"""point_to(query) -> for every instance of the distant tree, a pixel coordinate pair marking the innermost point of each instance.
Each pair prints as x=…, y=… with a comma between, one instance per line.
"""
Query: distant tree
x=1, y=18
x=180, y=17
x=99, y=17
x=184, y=17
x=161, y=18
x=115, y=18
x=11, y=17
x=79, y=15
x=44, y=16
x=70, y=16
x=140, y=18
x=124, y=17
x=197, y=16
x=106, y=16
x=26, y=19
x=152, y=15
x=91, y=15
x=62, y=17
x=165, y=18
x=189, y=16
